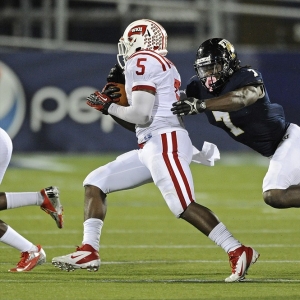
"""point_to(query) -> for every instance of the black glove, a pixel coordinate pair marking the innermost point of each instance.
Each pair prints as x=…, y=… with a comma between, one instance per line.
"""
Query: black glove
x=116, y=75
x=111, y=90
x=188, y=106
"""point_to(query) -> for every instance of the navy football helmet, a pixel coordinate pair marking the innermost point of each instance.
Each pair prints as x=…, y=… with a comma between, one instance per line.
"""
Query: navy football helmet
x=216, y=58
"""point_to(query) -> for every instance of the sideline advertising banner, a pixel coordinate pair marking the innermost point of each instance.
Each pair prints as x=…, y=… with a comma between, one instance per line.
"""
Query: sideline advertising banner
x=43, y=106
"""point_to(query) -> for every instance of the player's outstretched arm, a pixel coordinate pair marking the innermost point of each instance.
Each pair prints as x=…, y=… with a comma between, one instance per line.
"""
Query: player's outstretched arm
x=231, y=101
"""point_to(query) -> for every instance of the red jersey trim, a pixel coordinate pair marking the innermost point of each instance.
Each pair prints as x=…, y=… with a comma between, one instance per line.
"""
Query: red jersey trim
x=160, y=58
x=144, y=87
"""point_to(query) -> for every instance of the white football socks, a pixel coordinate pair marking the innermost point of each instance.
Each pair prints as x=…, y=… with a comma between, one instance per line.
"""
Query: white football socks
x=91, y=232
x=14, y=239
x=23, y=199
x=223, y=238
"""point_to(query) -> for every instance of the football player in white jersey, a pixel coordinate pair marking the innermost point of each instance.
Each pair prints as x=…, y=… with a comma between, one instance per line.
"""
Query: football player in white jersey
x=47, y=199
x=165, y=151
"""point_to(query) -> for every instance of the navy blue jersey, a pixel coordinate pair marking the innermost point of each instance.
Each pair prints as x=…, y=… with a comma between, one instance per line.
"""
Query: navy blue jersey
x=261, y=125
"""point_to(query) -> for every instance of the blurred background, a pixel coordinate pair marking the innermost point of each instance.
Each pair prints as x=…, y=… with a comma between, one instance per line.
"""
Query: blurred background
x=54, y=53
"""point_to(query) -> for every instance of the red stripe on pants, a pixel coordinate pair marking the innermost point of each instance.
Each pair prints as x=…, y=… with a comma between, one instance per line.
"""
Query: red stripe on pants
x=178, y=164
x=170, y=168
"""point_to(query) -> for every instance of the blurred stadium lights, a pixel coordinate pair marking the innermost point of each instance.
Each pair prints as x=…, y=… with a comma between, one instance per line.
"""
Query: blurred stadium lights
x=96, y=25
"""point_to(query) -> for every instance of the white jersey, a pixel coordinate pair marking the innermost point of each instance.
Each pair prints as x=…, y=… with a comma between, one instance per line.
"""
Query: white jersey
x=149, y=70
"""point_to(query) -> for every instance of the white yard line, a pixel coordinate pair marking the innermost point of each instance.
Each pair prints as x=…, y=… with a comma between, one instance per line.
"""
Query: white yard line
x=164, y=246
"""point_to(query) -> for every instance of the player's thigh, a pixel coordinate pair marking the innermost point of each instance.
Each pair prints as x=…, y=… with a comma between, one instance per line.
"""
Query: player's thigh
x=167, y=155
x=168, y=158
x=284, y=167
x=5, y=152
x=125, y=172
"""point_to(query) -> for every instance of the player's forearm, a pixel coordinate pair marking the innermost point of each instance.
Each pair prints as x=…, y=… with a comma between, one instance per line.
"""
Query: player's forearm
x=139, y=112
x=234, y=100
x=229, y=102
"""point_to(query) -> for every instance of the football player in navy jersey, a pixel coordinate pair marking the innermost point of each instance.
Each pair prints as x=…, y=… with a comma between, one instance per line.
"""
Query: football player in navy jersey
x=235, y=99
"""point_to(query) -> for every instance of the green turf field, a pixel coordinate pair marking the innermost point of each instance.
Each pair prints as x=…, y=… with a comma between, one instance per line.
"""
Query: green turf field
x=146, y=252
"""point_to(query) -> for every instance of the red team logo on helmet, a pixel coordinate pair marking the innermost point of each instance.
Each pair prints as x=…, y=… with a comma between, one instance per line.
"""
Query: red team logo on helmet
x=140, y=29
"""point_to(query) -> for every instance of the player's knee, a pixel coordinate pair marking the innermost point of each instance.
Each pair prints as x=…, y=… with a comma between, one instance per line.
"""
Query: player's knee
x=173, y=203
x=3, y=228
x=92, y=191
x=274, y=198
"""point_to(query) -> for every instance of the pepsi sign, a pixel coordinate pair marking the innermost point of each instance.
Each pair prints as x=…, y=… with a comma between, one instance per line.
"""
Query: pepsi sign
x=12, y=101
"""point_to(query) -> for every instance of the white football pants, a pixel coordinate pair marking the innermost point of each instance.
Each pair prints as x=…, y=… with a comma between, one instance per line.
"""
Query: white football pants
x=284, y=167
x=164, y=160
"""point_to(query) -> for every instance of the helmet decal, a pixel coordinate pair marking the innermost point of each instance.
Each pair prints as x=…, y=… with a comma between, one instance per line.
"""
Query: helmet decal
x=139, y=29
x=226, y=44
x=204, y=59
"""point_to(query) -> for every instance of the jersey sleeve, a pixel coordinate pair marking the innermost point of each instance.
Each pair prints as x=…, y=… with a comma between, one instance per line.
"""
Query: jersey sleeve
x=245, y=77
x=193, y=88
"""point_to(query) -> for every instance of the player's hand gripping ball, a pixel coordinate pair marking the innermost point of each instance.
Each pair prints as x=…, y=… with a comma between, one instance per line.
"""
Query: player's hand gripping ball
x=117, y=92
x=115, y=86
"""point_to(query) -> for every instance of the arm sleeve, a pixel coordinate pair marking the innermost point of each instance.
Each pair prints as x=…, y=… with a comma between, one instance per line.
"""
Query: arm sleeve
x=139, y=112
